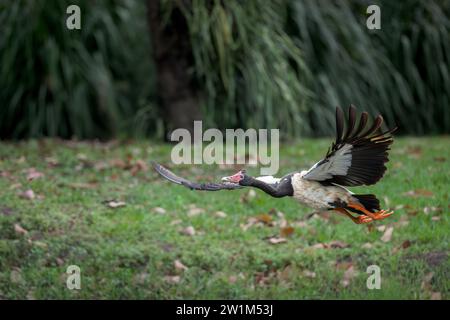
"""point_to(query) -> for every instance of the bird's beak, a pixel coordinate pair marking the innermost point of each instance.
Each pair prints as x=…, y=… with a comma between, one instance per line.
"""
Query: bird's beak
x=234, y=178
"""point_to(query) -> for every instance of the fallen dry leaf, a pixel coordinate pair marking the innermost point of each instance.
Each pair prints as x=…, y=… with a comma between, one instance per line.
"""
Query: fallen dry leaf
x=286, y=231
x=194, y=211
x=28, y=194
x=51, y=162
x=387, y=234
x=159, y=210
x=18, y=229
x=264, y=218
x=172, y=279
x=428, y=210
x=337, y=244
x=331, y=245
x=435, y=218
x=174, y=222
x=367, y=245
x=220, y=214
x=179, y=265
x=309, y=274
x=406, y=244
x=277, y=240
x=188, y=231
x=381, y=228
x=32, y=174
x=115, y=204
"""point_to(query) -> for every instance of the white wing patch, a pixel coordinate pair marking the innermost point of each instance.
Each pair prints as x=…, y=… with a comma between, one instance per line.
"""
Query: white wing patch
x=269, y=179
x=336, y=165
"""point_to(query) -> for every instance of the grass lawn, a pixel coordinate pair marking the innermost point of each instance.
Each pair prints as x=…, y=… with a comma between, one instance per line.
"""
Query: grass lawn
x=185, y=249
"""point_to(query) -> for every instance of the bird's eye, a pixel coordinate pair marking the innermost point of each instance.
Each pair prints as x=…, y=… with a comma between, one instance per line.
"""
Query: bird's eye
x=241, y=176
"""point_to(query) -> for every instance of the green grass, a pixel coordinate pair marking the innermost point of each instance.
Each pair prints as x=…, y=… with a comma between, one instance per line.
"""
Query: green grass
x=126, y=253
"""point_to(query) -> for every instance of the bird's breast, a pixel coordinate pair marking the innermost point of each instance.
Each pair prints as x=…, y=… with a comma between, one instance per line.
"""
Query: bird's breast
x=316, y=195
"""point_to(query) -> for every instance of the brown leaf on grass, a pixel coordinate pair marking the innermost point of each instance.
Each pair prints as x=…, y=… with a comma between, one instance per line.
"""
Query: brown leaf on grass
x=113, y=204
x=286, y=231
x=419, y=193
x=250, y=222
x=19, y=229
x=309, y=274
x=188, y=231
x=367, y=245
x=414, y=151
x=220, y=214
x=265, y=218
x=439, y=159
x=277, y=240
x=337, y=244
x=406, y=244
x=138, y=165
x=28, y=194
x=436, y=296
x=428, y=210
x=118, y=163
x=51, y=162
x=172, y=279
x=175, y=222
x=194, y=211
x=33, y=174
x=159, y=210
x=331, y=245
x=179, y=266
x=387, y=236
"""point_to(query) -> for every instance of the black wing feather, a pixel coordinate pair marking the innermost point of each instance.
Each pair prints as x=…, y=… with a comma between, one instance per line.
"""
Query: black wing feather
x=169, y=175
x=369, y=152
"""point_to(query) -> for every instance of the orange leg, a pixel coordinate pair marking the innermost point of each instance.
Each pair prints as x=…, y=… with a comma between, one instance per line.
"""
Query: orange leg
x=379, y=215
x=358, y=220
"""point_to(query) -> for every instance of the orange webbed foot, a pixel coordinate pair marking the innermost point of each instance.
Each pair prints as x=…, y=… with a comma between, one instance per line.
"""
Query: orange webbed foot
x=382, y=214
x=363, y=219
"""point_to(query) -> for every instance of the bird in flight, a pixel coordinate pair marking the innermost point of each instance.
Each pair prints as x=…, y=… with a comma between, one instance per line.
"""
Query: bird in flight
x=357, y=157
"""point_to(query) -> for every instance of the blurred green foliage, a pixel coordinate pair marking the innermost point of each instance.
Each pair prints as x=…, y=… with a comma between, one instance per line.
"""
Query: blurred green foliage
x=85, y=83
x=283, y=64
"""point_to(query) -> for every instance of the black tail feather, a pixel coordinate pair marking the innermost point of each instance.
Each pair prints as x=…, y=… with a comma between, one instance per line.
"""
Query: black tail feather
x=369, y=201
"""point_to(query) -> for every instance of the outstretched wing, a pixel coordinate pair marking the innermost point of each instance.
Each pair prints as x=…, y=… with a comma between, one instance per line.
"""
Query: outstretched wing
x=169, y=175
x=357, y=157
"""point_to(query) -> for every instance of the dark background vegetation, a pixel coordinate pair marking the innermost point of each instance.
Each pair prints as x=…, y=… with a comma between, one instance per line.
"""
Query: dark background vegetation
x=142, y=68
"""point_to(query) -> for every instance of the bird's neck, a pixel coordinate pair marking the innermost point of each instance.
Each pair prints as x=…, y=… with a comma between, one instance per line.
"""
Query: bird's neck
x=267, y=188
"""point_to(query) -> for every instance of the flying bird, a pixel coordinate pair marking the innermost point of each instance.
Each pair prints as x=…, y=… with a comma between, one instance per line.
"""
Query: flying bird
x=357, y=157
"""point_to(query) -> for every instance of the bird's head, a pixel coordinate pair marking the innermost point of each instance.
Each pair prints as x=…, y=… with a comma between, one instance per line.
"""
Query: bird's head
x=240, y=178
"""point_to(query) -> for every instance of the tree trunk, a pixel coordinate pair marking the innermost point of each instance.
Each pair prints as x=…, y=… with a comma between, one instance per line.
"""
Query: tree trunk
x=178, y=99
